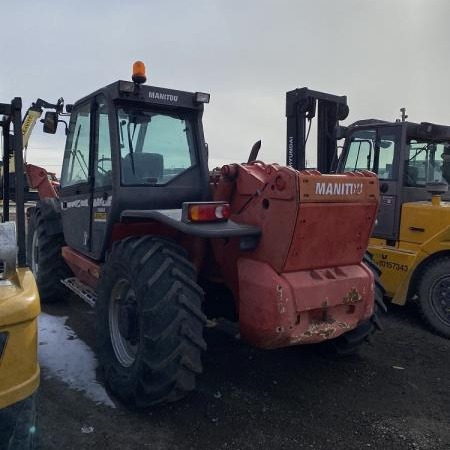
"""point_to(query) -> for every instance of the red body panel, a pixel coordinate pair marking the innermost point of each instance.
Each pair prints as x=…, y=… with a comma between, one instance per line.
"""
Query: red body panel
x=84, y=268
x=305, y=307
x=38, y=179
x=328, y=235
x=304, y=282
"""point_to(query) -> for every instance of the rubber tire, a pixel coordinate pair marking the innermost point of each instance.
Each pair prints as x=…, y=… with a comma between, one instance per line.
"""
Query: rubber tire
x=168, y=358
x=52, y=267
x=18, y=425
x=429, y=275
x=350, y=343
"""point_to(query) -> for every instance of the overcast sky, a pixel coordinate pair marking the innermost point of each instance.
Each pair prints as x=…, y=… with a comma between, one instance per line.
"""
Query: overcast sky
x=382, y=54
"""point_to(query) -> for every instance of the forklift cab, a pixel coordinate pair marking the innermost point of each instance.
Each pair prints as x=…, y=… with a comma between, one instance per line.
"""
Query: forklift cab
x=129, y=146
x=406, y=156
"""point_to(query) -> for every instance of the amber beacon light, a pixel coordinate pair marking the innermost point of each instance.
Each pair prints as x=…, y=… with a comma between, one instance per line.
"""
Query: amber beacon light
x=139, y=72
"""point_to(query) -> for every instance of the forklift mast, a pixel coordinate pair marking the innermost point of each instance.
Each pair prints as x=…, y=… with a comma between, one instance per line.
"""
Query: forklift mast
x=35, y=176
x=301, y=106
x=11, y=114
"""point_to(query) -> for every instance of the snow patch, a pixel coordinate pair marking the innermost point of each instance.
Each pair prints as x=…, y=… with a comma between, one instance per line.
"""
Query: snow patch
x=64, y=356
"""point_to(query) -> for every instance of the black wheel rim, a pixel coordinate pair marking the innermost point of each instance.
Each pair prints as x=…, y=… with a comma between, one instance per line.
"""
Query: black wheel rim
x=440, y=299
x=124, y=322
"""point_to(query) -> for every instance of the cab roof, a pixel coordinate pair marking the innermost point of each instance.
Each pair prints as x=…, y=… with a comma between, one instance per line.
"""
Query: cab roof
x=423, y=130
x=128, y=90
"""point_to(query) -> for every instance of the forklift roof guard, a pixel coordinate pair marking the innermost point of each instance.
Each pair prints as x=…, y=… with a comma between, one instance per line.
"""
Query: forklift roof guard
x=424, y=130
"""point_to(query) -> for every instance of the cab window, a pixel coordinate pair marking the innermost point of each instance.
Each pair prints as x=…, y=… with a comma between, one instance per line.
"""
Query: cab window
x=427, y=162
x=369, y=151
x=361, y=151
x=155, y=146
x=103, y=161
x=76, y=154
x=387, y=147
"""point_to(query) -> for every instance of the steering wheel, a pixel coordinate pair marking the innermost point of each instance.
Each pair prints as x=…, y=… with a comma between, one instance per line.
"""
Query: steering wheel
x=101, y=169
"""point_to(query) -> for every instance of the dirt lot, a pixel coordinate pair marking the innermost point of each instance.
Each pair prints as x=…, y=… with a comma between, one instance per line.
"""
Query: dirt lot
x=395, y=395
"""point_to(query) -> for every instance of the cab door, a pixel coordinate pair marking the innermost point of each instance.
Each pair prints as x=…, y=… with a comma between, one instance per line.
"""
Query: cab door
x=102, y=177
x=76, y=191
x=378, y=149
x=387, y=167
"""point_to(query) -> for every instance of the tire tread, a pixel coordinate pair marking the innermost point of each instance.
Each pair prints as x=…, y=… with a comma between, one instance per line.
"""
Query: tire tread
x=172, y=339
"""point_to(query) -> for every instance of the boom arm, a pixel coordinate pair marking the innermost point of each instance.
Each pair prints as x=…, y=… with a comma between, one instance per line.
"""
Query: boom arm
x=37, y=176
x=34, y=113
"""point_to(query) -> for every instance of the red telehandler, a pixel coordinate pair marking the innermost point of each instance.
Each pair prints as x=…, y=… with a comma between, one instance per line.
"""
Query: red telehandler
x=142, y=231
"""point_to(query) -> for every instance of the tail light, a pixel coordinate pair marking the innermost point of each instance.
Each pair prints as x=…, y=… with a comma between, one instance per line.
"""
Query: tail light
x=205, y=212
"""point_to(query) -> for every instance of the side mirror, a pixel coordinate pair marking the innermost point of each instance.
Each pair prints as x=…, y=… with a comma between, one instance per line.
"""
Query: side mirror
x=385, y=144
x=50, y=122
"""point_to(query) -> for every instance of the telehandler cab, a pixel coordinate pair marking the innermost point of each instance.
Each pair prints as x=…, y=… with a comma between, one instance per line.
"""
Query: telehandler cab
x=141, y=230
x=19, y=304
x=411, y=239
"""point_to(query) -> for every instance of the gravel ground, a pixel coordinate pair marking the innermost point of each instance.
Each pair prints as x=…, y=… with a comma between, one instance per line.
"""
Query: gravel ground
x=394, y=395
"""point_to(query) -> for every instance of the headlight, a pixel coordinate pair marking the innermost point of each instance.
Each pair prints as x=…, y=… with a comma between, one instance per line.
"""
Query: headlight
x=201, y=97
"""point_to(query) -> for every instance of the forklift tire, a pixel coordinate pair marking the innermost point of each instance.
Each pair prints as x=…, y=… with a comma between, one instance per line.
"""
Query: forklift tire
x=149, y=322
x=349, y=343
x=368, y=260
x=434, y=296
x=44, y=258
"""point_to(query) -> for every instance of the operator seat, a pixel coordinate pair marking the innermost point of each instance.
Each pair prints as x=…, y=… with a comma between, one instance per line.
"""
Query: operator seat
x=410, y=175
x=147, y=167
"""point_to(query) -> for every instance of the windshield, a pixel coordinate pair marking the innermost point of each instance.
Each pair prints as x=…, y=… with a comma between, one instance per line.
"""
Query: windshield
x=426, y=162
x=155, y=146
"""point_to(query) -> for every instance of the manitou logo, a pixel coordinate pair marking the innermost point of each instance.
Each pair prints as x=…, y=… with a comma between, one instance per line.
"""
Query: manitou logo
x=161, y=96
x=339, y=188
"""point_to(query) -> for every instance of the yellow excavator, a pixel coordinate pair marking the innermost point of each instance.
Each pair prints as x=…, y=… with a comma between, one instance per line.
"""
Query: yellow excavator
x=19, y=301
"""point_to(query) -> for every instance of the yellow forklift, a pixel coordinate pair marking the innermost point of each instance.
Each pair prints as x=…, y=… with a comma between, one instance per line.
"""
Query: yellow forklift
x=19, y=300
x=410, y=242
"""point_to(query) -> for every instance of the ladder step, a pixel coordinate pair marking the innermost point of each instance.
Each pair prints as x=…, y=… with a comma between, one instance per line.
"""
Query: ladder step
x=83, y=291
